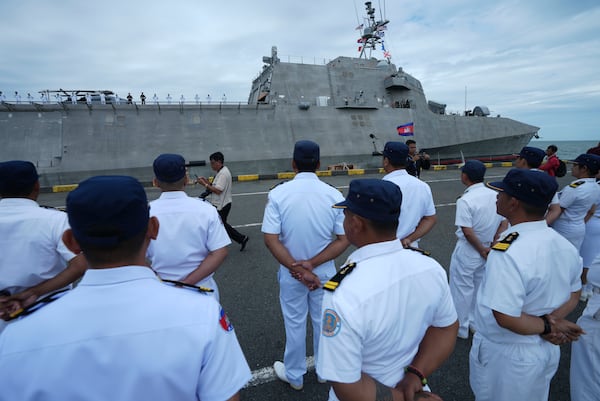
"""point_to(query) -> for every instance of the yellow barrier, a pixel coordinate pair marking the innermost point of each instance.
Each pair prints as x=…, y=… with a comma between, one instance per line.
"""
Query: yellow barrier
x=356, y=171
x=64, y=188
x=285, y=176
x=439, y=167
x=248, y=177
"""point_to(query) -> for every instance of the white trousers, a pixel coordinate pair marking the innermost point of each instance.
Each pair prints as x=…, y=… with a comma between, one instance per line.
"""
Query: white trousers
x=509, y=372
x=466, y=273
x=585, y=355
x=296, y=302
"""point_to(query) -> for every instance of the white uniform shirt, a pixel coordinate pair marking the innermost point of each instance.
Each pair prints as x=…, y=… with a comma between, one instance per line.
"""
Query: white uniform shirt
x=576, y=201
x=535, y=275
x=374, y=321
x=476, y=209
x=301, y=212
x=189, y=229
x=121, y=334
x=222, y=181
x=31, y=247
x=417, y=201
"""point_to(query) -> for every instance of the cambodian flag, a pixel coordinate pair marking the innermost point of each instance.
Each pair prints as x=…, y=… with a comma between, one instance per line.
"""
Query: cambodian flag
x=406, y=129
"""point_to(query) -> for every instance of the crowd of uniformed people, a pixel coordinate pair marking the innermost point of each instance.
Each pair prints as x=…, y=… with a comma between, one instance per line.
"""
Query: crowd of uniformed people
x=118, y=293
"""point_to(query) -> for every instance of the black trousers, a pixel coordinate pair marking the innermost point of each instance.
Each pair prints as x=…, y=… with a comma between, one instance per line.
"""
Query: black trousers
x=232, y=232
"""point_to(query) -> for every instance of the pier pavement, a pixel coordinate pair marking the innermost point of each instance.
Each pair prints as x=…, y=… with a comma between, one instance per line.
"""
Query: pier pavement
x=250, y=292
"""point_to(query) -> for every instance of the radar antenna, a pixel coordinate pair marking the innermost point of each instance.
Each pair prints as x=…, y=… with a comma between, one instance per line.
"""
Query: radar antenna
x=372, y=34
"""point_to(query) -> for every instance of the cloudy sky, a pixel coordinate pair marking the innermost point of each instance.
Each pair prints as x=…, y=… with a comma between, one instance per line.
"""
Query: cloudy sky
x=536, y=61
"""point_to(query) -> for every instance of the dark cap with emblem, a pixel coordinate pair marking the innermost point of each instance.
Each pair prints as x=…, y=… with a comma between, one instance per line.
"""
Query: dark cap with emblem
x=169, y=167
x=591, y=161
x=107, y=210
x=474, y=169
x=396, y=152
x=373, y=199
x=17, y=176
x=306, y=152
x=535, y=188
x=533, y=156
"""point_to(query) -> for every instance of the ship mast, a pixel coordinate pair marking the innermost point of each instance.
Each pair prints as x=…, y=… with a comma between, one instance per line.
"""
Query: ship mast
x=372, y=33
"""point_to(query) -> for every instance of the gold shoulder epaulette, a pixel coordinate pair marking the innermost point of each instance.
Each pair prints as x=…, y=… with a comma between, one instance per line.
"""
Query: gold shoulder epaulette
x=185, y=285
x=421, y=251
x=37, y=305
x=504, y=243
x=576, y=184
x=335, y=281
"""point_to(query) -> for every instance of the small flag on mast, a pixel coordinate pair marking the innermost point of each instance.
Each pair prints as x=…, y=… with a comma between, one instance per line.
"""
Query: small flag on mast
x=406, y=129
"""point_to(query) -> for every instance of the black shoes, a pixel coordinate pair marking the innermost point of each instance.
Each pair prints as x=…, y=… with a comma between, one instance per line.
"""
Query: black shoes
x=244, y=242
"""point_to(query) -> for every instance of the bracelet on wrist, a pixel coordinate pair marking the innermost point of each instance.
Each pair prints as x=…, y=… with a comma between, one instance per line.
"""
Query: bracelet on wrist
x=547, y=325
x=416, y=372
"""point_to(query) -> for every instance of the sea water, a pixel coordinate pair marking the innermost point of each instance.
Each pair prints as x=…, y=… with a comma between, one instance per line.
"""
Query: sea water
x=567, y=150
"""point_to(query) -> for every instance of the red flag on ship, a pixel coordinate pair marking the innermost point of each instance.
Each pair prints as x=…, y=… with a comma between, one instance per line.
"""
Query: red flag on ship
x=406, y=129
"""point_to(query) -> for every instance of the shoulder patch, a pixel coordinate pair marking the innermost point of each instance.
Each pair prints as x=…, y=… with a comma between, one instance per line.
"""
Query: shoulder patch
x=421, y=251
x=39, y=304
x=504, y=243
x=576, y=184
x=331, y=323
x=224, y=321
x=278, y=184
x=188, y=286
x=335, y=281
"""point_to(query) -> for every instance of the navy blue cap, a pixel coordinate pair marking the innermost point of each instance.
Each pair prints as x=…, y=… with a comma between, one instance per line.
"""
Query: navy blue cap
x=591, y=161
x=306, y=151
x=106, y=210
x=533, y=156
x=396, y=152
x=535, y=188
x=373, y=199
x=17, y=175
x=474, y=169
x=169, y=167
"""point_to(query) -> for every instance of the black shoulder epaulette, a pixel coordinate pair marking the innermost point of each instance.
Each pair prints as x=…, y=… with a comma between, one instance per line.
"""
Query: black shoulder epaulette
x=504, y=243
x=37, y=304
x=335, y=281
x=576, y=184
x=278, y=184
x=333, y=186
x=53, y=208
x=185, y=285
x=421, y=251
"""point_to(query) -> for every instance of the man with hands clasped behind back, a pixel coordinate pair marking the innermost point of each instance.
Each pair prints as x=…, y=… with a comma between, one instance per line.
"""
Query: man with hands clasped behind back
x=388, y=316
x=531, y=282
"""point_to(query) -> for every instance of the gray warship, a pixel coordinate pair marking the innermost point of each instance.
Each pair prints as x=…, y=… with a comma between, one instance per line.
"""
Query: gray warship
x=351, y=106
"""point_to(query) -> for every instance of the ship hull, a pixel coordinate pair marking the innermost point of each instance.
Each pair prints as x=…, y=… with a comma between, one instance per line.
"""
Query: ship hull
x=349, y=106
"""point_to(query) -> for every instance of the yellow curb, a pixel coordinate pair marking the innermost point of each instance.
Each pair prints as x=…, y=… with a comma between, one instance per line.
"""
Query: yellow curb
x=488, y=165
x=324, y=173
x=439, y=167
x=356, y=171
x=64, y=188
x=248, y=177
x=506, y=164
x=285, y=176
